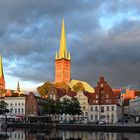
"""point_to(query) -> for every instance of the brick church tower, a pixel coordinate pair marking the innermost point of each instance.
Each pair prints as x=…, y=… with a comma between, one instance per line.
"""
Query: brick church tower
x=62, y=60
x=2, y=81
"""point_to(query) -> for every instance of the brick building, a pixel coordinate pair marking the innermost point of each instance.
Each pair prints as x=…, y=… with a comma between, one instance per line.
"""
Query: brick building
x=34, y=105
x=103, y=103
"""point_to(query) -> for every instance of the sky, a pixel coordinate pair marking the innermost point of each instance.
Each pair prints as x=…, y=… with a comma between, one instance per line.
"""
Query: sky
x=103, y=37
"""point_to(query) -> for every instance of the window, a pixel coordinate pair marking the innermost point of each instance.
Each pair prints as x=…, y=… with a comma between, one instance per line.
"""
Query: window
x=18, y=103
x=107, y=96
x=102, y=109
x=112, y=108
x=15, y=104
x=107, y=108
x=96, y=108
x=11, y=104
x=108, y=116
x=102, y=91
x=112, y=116
x=91, y=117
x=84, y=108
x=91, y=109
x=86, y=114
x=19, y=110
x=15, y=110
x=96, y=117
x=96, y=96
x=22, y=103
x=96, y=101
x=22, y=110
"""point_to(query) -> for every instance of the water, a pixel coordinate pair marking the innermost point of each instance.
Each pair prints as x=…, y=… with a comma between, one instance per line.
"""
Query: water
x=20, y=134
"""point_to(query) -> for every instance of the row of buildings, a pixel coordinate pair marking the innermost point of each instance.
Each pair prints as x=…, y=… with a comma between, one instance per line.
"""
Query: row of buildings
x=99, y=103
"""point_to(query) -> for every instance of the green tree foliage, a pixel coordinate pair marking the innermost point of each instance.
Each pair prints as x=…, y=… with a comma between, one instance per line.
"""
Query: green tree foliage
x=3, y=107
x=75, y=108
x=58, y=107
x=49, y=107
x=78, y=87
x=43, y=90
x=66, y=106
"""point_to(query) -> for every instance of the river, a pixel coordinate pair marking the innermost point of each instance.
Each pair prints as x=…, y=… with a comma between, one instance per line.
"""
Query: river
x=22, y=134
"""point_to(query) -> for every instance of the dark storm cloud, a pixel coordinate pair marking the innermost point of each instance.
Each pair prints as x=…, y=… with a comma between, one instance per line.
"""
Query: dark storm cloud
x=30, y=33
x=116, y=55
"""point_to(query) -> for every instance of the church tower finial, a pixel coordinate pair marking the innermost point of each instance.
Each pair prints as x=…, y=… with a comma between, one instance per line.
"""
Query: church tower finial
x=2, y=81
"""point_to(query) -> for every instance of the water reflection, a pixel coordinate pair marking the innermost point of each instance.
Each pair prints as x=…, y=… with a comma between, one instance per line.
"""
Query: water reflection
x=20, y=134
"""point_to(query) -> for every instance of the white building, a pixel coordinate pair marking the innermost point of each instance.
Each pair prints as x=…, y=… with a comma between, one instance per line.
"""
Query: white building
x=103, y=112
x=134, y=106
x=83, y=100
x=16, y=105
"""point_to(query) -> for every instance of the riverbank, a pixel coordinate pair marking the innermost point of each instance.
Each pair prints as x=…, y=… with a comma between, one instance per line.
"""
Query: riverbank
x=96, y=128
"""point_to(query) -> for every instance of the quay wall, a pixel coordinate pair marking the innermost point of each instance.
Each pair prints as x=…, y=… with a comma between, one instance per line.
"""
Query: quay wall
x=74, y=127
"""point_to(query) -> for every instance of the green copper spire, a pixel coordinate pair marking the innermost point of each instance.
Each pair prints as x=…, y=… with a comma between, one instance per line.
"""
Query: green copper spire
x=18, y=87
x=1, y=68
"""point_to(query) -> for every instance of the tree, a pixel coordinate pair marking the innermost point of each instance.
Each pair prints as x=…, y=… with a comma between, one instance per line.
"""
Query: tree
x=75, y=108
x=78, y=87
x=66, y=106
x=43, y=90
x=3, y=107
x=49, y=107
x=58, y=107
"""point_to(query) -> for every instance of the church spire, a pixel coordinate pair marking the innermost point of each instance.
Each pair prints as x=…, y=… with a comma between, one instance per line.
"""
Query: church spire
x=2, y=81
x=1, y=68
x=63, y=47
x=18, y=87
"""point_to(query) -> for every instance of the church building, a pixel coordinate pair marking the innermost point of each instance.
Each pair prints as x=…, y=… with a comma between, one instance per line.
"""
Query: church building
x=62, y=60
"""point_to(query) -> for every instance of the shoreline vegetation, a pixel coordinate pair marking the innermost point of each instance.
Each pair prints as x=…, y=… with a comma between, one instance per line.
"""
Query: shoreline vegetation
x=72, y=127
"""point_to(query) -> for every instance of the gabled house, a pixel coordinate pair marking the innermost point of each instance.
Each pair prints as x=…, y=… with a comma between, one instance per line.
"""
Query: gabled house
x=103, y=103
x=34, y=105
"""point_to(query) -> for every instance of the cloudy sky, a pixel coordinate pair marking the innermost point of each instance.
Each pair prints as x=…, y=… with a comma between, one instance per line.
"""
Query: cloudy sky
x=103, y=37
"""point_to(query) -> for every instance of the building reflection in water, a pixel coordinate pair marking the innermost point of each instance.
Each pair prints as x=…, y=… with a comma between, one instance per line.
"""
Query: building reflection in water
x=64, y=135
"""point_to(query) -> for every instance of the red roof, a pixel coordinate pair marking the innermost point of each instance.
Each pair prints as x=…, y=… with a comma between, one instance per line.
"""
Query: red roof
x=117, y=92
